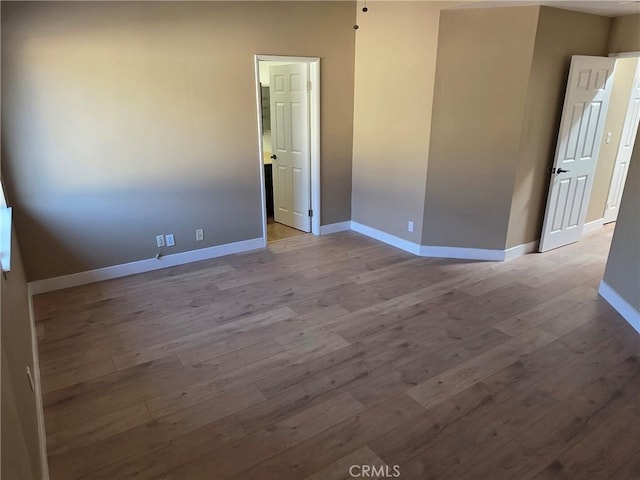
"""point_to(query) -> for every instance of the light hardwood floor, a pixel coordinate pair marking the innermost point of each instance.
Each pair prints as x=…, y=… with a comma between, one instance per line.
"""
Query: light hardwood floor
x=278, y=231
x=318, y=353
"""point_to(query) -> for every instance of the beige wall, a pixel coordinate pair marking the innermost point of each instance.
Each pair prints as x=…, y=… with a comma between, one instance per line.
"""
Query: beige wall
x=623, y=81
x=126, y=120
x=623, y=267
x=625, y=34
x=482, y=74
x=20, y=454
x=560, y=34
x=396, y=47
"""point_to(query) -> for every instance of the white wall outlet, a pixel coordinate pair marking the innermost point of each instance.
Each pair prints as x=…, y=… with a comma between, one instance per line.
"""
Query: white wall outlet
x=410, y=226
x=171, y=241
x=199, y=235
x=160, y=240
x=608, y=140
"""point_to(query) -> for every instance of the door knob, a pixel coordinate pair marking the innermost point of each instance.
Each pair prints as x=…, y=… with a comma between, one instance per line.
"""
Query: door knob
x=561, y=170
x=274, y=157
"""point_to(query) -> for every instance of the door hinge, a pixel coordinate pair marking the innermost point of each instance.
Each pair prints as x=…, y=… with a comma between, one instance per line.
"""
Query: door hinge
x=308, y=85
x=310, y=213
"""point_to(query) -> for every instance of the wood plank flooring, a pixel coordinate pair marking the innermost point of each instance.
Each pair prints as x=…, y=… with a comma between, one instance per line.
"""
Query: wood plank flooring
x=318, y=353
x=279, y=231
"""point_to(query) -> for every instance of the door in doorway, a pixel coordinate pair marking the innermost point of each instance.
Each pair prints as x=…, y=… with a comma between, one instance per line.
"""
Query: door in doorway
x=623, y=157
x=290, y=145
x=581, y=126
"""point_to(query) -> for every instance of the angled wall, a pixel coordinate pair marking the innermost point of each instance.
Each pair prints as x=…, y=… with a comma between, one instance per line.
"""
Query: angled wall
x=560, y=34
x=395, y=63
x=500, y=76
x=482, y=74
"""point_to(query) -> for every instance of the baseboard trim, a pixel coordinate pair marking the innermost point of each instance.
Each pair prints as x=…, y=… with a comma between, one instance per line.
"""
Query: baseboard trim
x=445, y=252
x=172, y=260
x=42, y=434
x=462, y=253
x=141, y=266
x=620, y=305
x=594, y=225
x=387, y=238
x=335, y=228
x=519, y=250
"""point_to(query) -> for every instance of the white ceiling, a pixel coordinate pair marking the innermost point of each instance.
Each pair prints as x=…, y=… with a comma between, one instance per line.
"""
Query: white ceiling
x=607, y=8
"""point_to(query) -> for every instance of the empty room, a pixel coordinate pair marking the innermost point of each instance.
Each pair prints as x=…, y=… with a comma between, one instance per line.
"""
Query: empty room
x=320, y=240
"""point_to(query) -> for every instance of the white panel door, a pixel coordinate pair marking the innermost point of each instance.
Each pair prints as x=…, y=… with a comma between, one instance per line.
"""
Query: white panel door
x=583, y=116
x=290, y=145
x=623, y=156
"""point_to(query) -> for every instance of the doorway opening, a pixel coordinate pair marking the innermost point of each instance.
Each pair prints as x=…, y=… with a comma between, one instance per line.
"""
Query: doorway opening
x=598, y=126
x=288, y=100
x=625, y=116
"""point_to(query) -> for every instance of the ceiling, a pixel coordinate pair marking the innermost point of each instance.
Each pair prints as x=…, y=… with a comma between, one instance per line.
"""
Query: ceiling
x=607, y=8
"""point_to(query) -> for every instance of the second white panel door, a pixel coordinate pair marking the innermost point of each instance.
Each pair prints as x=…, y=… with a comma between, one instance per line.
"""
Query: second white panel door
x=623, y=156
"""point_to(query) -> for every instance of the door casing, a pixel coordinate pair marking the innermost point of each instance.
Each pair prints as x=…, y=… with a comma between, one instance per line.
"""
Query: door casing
x=314, y=134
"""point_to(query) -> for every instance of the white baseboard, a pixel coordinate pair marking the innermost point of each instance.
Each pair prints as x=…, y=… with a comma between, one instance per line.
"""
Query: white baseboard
x=624, y=308
x=594, y=225
x=387, y=238
x=335, y=228
x=444, y=252
x=37, y=386
x=523, y=249
x=462, y=253
x=141, y=266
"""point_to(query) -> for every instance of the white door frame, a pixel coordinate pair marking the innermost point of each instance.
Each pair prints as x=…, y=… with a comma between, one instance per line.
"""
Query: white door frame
x=314, y=135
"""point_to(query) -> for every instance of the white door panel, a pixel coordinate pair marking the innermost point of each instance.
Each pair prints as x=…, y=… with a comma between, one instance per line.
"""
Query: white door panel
x=623, y=156
x=280, y=195
x=581, y=127
x=290, y=138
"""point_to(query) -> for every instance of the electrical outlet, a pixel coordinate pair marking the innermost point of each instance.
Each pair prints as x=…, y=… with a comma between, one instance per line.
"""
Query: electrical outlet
x=171, y=241
x=608, y=140
x=410, y=226
x=199, y=235
x=160, y=240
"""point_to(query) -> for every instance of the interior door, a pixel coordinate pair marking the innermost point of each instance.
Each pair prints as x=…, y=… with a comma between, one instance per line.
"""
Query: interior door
x=623, y=157
x=583, y=116
x=290, y=145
